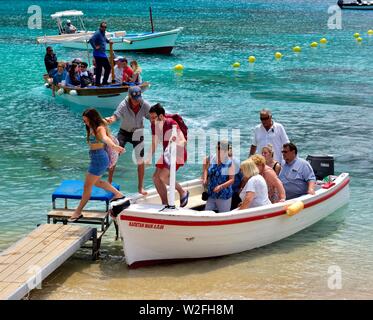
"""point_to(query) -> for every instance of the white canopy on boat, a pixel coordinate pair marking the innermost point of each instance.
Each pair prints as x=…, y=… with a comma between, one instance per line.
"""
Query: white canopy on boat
x=68, y=13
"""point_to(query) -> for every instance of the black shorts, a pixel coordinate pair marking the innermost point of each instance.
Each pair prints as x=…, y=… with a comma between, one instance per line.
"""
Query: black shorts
x=136, y=138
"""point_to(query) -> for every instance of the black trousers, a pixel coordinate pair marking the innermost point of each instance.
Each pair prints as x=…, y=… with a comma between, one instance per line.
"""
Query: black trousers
x=102, y=63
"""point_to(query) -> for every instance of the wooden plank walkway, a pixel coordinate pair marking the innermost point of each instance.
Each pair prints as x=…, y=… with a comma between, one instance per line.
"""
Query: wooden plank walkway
x=29, y=261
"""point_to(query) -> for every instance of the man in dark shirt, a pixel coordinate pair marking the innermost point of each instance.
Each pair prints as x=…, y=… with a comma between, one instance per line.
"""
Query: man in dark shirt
x=50, y=60
x=98, y=42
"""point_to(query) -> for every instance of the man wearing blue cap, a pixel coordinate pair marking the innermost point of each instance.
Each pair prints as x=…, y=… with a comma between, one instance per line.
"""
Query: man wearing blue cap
x=132, y=111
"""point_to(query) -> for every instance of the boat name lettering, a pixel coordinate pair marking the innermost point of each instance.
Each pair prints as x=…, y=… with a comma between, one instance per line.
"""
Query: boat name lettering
x=146, y=225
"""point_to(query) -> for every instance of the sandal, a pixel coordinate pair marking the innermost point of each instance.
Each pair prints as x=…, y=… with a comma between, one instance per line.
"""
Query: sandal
x=75, y=219
x=184, y=200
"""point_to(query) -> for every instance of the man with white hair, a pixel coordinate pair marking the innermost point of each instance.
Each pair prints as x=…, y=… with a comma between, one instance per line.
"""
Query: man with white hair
x=118, y=70
x=269, y=132
x=69, y=28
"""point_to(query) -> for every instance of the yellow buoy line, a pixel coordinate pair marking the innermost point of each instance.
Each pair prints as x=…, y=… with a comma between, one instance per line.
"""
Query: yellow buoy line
x=278, y=55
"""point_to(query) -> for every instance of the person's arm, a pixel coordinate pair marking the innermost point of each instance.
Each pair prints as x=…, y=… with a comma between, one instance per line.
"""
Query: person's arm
x=117, y=114
x=310, y=178
x=279, y=187
x=102, y=135
x=285, y=138
x=243, y=182
x=68, y=80
x=92, y=41
x=180, y=138
x=152, y=149
x=252, y=150
x=95, y=41
x=247, y=201
x=205, y=166
x=311, y=187
x=132, y=76
x=49, y=62
x=254, y=143
x=111, y=119
x=278, y=168
x=146, y=107
x=228, y=183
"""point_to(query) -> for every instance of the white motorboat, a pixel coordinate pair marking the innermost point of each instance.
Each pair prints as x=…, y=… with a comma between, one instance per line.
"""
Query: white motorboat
x=152, y=42
x=151, y=233
x=357, y=5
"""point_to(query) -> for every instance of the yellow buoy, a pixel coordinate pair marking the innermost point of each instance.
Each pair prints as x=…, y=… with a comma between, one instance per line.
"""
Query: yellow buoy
x=323, y=41
x=370, y=32
x=251, y=59
x=278, y=55
x=295, y=208
x=179, y=67
x=314, y=44
x=357, y=35
x=359, y=39
x=236, y=65
x=297, y=49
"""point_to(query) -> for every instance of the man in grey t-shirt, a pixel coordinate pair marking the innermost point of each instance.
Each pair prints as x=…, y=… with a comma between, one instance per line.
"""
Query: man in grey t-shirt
x=132, y=111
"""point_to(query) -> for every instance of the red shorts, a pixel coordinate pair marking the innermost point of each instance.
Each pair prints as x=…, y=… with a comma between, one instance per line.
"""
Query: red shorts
x=180, y=161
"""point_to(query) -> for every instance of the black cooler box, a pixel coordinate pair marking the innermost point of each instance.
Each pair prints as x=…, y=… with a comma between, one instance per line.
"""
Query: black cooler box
x=322, y=165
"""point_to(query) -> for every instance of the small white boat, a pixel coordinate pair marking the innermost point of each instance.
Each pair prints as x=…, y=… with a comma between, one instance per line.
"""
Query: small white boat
x=152, y=42
x=105, y=97
x=150, y=234
x=357, y=5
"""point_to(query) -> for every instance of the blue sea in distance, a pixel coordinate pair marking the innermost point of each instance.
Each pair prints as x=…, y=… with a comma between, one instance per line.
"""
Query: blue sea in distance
x=323, y=97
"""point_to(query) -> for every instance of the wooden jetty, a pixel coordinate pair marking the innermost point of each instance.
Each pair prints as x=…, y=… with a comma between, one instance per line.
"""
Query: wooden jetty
x=28, y=262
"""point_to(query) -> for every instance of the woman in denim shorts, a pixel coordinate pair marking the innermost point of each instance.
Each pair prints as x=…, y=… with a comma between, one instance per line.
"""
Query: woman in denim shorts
x=97, y=137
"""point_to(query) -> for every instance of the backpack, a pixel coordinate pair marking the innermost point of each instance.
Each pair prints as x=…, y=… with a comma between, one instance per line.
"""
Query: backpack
x=183, y=127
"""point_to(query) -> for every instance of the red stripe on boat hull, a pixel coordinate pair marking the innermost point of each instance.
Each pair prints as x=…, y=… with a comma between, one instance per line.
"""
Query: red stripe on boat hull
x=232, y=221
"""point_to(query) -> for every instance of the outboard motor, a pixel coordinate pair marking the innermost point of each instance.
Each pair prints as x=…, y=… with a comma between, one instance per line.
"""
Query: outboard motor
x=322, y=165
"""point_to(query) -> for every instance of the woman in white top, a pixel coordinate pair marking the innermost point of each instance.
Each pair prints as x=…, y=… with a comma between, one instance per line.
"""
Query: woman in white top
x=255, y=192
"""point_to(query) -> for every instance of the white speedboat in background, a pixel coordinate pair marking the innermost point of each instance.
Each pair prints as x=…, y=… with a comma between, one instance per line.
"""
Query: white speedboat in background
x=152, y=42
x=357, y=5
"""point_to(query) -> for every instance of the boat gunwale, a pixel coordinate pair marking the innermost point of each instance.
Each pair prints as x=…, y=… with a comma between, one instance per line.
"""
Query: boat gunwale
x=100, y=91
x=273, y=210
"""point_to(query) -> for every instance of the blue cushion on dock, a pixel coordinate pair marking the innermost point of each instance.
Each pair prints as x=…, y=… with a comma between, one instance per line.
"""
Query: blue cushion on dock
x=73, y=189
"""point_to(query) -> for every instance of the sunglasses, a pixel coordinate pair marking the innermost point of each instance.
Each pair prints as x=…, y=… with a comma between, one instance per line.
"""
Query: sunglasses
x=286, y=151
x=264, y=118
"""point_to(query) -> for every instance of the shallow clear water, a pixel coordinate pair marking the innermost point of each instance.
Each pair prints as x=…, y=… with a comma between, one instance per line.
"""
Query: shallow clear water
x=323, y=97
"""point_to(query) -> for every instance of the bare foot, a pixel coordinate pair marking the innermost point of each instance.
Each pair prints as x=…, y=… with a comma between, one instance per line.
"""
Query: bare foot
x=143, y=192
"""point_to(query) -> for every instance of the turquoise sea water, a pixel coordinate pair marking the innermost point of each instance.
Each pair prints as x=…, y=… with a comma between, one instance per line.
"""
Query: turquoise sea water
x=323, y=97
